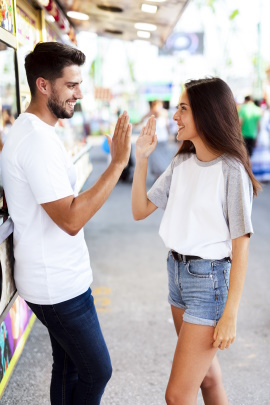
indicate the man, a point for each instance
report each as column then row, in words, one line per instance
column 52, row 267
column 249, row 115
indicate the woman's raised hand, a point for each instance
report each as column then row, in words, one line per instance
column 147, row 140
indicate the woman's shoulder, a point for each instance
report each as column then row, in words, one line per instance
column 234, row 169
column 180, row 158
column 232, row 163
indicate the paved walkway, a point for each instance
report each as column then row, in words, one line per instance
column 130, row 288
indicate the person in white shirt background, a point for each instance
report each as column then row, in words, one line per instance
column 52, row 266
column 159, row 160
column 206, row 194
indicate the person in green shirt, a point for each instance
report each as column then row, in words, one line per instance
column 249, row 115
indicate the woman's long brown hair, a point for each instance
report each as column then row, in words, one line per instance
column 217, row 122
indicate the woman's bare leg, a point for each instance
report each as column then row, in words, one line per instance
column 177, row 315
column 212, row 387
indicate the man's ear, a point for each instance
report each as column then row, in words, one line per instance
column 42, row 85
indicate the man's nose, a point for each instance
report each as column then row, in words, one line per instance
column 78, row 94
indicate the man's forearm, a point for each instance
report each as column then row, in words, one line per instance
column 84, row 207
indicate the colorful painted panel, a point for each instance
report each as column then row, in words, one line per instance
column 14, row 331
column 7, row 15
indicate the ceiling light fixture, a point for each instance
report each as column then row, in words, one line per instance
column 145, row 27
column 148, row 8
column 143, row 34
column 78, row 16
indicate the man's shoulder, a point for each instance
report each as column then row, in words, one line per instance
column 28, row 136
column 22, row 127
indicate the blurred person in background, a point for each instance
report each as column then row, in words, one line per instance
column 52, row 266
column 249, row 115
column 260, row 159
column 8, row 120
column 206, row 194
column 160, row 159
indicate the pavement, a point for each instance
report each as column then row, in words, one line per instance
column 128, row 259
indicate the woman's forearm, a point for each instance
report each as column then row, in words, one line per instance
column 145, row 145
column 237, row 275
column 141, row 206
column 139, row 193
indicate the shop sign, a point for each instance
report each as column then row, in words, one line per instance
column 157, row 91
column 190, row 42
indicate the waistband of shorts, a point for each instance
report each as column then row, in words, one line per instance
column 187, row 258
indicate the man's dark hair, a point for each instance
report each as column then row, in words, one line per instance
column 247, row 99
column 48, row 59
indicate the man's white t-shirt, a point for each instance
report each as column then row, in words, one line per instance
column 206, row 205
column 50, row 265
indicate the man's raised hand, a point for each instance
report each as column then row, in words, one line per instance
column 120, row 143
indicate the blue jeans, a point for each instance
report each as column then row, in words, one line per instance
column 81, row 361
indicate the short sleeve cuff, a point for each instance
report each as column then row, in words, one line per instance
column 239, row 233
column 156, row 199
column 54, row 197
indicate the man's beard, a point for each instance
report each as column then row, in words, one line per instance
column 56, row 108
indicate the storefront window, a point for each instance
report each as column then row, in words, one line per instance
column 8, row 101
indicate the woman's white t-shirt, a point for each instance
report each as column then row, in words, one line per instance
column 50, row 265
column 206, row 204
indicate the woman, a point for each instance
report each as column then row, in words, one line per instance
column 206, row 194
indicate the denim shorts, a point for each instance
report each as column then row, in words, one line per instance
column 199, row 287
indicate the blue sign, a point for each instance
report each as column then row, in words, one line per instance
column 183, row 41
